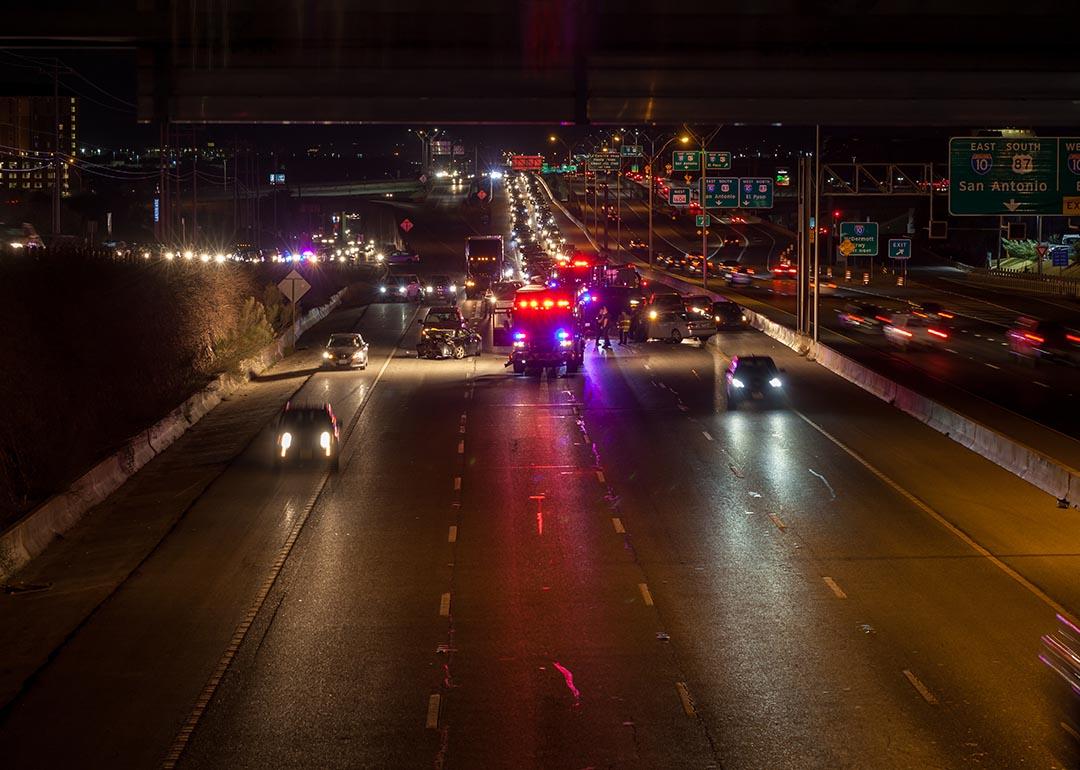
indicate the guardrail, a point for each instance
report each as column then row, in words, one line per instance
column 1061, row 286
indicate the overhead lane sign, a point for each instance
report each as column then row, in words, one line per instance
column 999, row 176
column 721, row 192
column 755, row 192
column 605, row 161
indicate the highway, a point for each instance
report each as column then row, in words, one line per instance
column 602, row 570
column 973, row 370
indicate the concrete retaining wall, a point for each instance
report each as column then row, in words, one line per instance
column 31, row 534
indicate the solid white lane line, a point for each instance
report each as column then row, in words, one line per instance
column 645, row 595
column 617, row 523
column 600, row 477
column 948, row 525
column 950, row 350
column 432, row 722
column 834, row 588
column 461, row 447
column 992, row 366
column 707, row 435
column 444, row 605
column 452, row 537
column 776, row 520
column 457, row 483
column 922, row 689
column 684, row 697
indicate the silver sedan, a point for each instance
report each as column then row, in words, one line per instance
column 345, row 350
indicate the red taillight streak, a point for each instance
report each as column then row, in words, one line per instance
column 1072, row 338
column 938, row 333
column 1033, row 337
column 883, row 319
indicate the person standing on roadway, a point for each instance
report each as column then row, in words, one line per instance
column 624, row 327
column 603, row 321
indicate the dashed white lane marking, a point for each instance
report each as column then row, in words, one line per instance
column 452, row 537
column 948, row 525
column 444, row 605
column 707, row 435
column 992, row 366
column 432, row 722
column 461, row 447
column 687, row 701
column 694, row 372
column 457, row 483
column 835, row 588
column 647, row 366
column 954, row 352
column 645, row 595
column 1041, row 384
column 600, row 477
column 922, row 689
column 776, row 520
column 617, row 523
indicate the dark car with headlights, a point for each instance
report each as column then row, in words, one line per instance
column 729, row 315
column 753, row 378
column 307, row 434
column 441, row 289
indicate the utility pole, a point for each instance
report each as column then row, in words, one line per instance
column 194, row 188
column 817, row 241
column 57, row 162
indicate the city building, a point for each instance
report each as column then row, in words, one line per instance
column 30, row 127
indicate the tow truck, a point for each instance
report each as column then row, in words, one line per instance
column 545, row 330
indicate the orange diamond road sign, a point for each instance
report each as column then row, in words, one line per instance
column 846, row 247
column 481, row 194
column 406, row 225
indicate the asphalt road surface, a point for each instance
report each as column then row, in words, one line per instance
column 604, row 570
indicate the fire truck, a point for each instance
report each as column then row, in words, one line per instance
column 546, row 330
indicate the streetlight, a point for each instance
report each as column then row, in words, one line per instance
column 650, row 173
column 703, row 140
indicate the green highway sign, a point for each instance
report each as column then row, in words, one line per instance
column 605, row 161
column 721, row 192
column 861, row 239
column 631, row 150
column 999, row 176
column 755, row 192
column 564, row 168
column 899, row 248
column 703, row 220
column 679, row 196
column 717, row 161
column 686, row 160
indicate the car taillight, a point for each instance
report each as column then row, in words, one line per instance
column 1073, row 338
column 938, row 333
column 1033, row 338
column 883, row 319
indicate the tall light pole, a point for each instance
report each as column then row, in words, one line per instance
column 425, row 138
column 650, row 174
column 703, row 139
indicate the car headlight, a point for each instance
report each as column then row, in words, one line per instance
column 775, row 382
column 428, row 289
column 401, row 290
column 324, row 441
column 736, row 382
column 286, row 442
column 653, row 315
column 453, row 288
column 326, row 354
column 382, row 290
column 16, row 245
column 519, row 343
column 565, row 343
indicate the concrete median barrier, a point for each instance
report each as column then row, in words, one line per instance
column 31, row 534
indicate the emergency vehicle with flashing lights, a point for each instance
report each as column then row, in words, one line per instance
column 545, row 330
